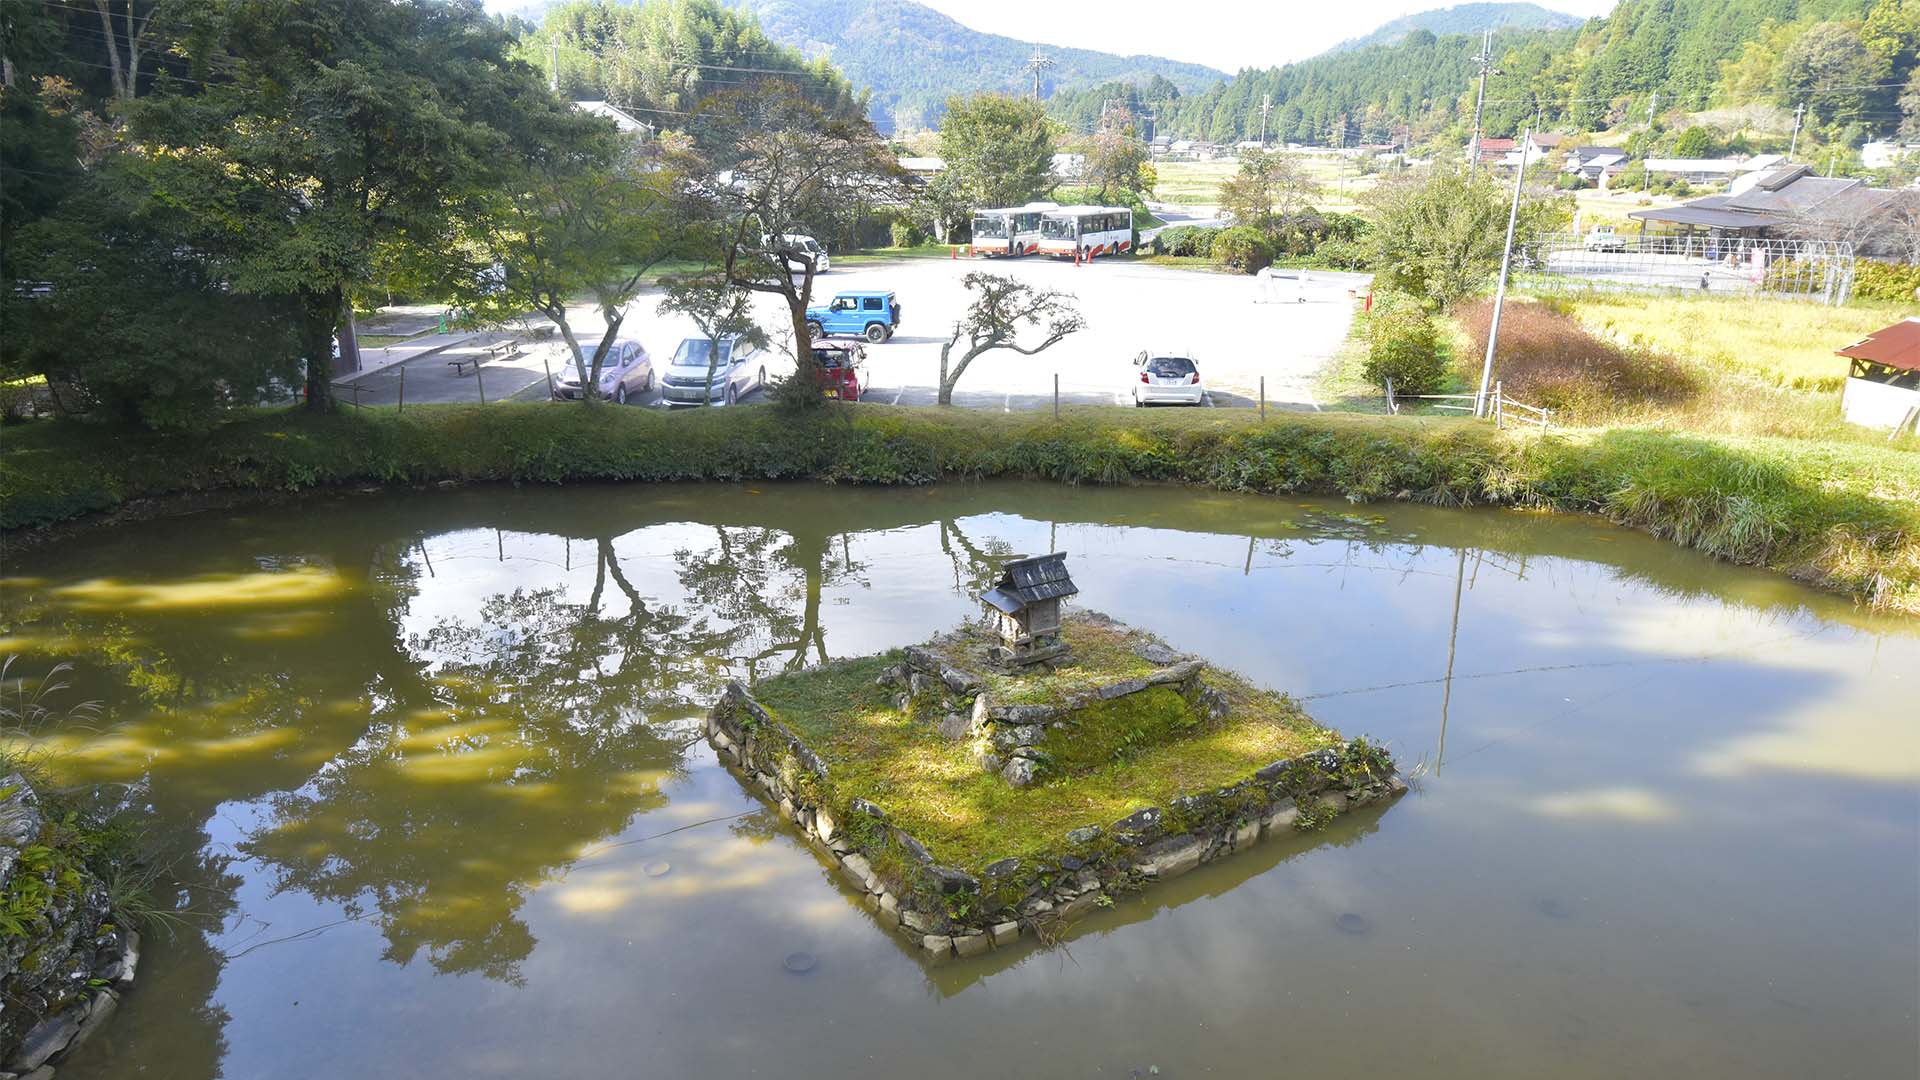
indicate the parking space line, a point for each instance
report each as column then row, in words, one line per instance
column 898, row 393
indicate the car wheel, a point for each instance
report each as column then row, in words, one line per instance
column 620, row 394
column 876, row 333
column 815, row 331
column 733, row 395
column 647, row 384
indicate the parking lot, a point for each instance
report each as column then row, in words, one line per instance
column 1240, row 329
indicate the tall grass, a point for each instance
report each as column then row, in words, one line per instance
column 1841, row 515
column 1546, row 358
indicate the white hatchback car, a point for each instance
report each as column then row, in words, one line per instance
column 1169, row 378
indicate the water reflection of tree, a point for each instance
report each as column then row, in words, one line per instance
column 756, row 577
column 537, row 736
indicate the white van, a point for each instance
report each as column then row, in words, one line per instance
column 802, row 242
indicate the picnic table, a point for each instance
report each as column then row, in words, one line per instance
column 505, row 349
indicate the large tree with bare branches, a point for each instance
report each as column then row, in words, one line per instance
column 1002, row 308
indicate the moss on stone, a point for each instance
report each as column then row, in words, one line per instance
column 1148, row 753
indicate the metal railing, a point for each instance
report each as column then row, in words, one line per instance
column 1819, row 270
column 1497, row 406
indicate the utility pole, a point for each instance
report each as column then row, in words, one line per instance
column 1038, row 63
column 1500, row 293
column 1266, row 106
column 553, row 68
column 1484, row 61
column 1798, row 111
column 1646, row 174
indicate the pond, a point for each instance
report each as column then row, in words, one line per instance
column 436, row 761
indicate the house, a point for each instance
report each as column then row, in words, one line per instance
column 1493, row 151
column 622, row 119
column 1592, row 163
column 1712, row 170
column 1789, row 202
column 1884, row 153
column 1025, row 607
column 1535, row 147
column 1883, row 381
column 923, row 167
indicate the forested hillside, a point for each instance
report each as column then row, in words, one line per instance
column 1464, row 19
column 913, row 57
column 1848, row 61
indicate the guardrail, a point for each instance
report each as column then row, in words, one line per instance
column 1498, row 403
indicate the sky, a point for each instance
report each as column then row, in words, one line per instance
column 1225, row 34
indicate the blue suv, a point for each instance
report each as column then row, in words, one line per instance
column 871, row 315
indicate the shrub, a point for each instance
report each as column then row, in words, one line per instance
column 1874, row 280
column 1546, row 358
column 1242, row 250
column 1343, row 255
column 1403, row 345
column 905, row 233
column 1187, row 240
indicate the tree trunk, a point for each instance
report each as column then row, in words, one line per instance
column 946, row 386
column 320, row 317
column 590, row 389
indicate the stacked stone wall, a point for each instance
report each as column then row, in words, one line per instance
column 947, row 911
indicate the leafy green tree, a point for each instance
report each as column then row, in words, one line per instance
column 719, row 309
column 788, row 166
column 1440, row 236
column 586, row 210
column 1268, row 186
column 1118, row 163
column 1833, row 71
column 998, row 149
column 1696, row 142
column 1001, row 308
column 364, row 125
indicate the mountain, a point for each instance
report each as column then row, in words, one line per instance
column 913, row 57
column 1750, row 61
column 1464, row 19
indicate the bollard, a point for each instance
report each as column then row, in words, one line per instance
column 1368, row 306
column 547, row 362
column 1263, row 397
column 969, row 251
column 476, row 382
column 953, row 253
column 403, row 389
column 1056, row 395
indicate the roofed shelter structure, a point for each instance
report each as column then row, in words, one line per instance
column 1025, row 603
column 1883, row 382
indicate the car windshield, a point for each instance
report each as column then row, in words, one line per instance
column 1170, row 366
column 1057, row 228
column 990, row 227
column 693, row 352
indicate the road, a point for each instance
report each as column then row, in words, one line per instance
column 1239, row 329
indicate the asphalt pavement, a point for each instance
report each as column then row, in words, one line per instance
column 1240, row 330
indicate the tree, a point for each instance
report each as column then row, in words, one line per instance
column 998, row 149
column 1267, row 187
column 788, row 165
column 316, row 148
column 1833, row 71
column 1695, row 142
column 124, row 43
column 586, row 209
column 1117, row 159
column 1002, row 307
column 1440, row 236
column 721, row 310
column 1910, row 108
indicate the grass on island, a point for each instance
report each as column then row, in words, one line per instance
column 969, row 818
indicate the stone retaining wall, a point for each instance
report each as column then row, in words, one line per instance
column 62, row 977
column 947, row 911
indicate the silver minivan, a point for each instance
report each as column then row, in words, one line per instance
column 740, row 369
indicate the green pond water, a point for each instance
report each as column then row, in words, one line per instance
column 435, row 759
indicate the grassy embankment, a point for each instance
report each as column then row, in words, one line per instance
column 1845, row 516
column 1137, row 751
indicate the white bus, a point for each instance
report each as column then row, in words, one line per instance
column 1014, row 230
column 1086, row 231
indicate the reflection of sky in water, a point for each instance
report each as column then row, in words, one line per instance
column 1674, row 828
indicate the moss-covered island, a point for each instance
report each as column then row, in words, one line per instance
column 973, row 805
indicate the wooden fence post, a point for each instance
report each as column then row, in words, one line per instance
column 403, row 388
column 476, row 380
column 1263, row 399
column 1056, row 395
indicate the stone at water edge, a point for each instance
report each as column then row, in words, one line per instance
column 48, row 1037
